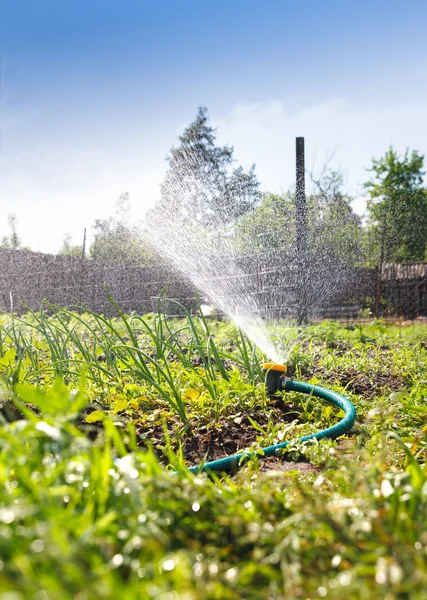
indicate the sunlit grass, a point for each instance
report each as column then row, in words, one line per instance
column 100, row 518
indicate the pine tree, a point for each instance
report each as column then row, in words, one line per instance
column 201, row 183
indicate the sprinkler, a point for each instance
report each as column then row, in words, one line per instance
column 274, row 377
column 276, row 381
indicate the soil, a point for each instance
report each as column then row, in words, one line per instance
column 362, row 384
column 230, row 435
column 208, row 441
column 285, row 464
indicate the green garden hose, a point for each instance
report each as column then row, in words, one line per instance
column 229, row 463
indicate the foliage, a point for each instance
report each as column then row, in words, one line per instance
column 12, row 241
column 86, row 512
column 70, row 249
column 333, row 227
column 200, row 182
column 398, row 207
column 118, row 240
column 127, row 360
column 269, row 227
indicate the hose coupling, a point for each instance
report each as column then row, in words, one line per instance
column 275, row 377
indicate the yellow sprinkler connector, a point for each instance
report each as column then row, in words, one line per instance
column 274, row 367
column 274, row 377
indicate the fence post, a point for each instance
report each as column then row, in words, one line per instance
column 84, row 244
column 301, row 231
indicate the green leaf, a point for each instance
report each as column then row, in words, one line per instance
column 191, row 394
column 8, row 358
column 120, row 404
column 56, row 401
column 96, row 415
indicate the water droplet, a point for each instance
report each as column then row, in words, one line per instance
column 117, row 560
column 336, row 560
column 344, row 579
column 37, row 546
column 7, row 516
column 231, row 573
column 386, row 488
column 123, row 534
column 48, row 430
column 169, row 564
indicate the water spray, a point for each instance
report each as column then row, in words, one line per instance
column 210, row 261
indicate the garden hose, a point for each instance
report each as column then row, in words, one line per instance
column 276, row 381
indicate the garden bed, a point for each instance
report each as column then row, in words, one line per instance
column 100, row 414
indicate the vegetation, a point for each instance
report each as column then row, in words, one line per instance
column 201, row 183
column 398, row 207
column 203, row 186
column 92, row 407
column 70, row 249
column 334, row 229
column 118, row 240
column 11, row 241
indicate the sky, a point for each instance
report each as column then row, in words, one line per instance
column 94, row 94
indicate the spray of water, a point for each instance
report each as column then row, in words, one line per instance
column 266, row 274
column 203, row 248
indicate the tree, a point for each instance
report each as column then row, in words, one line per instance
column 118, row 240
column 268, row 228
column 12, row 241
column 70, row 249
column 333, row 227
column 397, row 209
column 200, row 182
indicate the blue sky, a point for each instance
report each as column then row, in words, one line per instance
column 93, row 94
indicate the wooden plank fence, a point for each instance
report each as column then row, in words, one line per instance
column 27, row 278
column 403, row 288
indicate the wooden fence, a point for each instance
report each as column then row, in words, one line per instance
column 403, row 289
column 28, row 279
column 332, row 291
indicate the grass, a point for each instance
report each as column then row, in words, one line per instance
column 100, row 417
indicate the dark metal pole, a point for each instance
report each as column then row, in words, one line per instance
column 84, row 245
column 300, row 204
column 379, row 269
column 301, row 231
